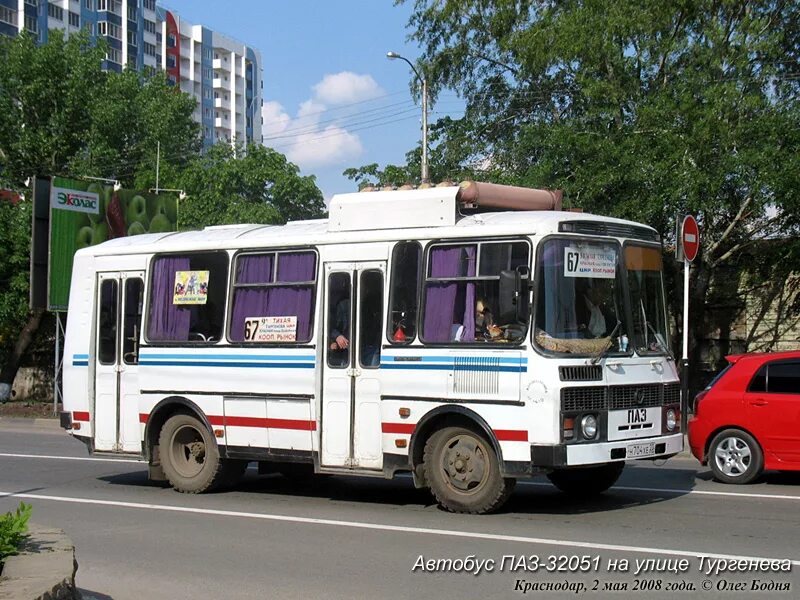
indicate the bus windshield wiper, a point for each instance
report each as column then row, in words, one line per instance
column 596, row 358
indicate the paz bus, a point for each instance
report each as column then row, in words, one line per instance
column 470, row 335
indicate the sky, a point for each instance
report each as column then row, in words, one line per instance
column 332, row 99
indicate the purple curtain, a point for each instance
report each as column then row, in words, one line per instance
column 440, row 298
column 167, row 322
column 276, row 301
column 254, row 268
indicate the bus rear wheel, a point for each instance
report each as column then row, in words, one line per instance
column 190, row 456
column 589, row 481
column 463, row 472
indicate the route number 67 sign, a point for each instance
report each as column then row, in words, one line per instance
column 270, row 329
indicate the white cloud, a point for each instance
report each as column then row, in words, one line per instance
column 346, row 87
column 315, row 137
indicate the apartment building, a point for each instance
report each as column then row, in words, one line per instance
column 223, row 74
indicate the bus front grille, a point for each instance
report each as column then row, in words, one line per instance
column 618, row 397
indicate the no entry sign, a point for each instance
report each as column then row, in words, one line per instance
column 690, row 237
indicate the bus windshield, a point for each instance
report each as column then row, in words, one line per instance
column 579, row 305
column 644, row 268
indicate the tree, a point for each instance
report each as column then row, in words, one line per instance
column 643, row 110
column 61, row 114
column 227, row 185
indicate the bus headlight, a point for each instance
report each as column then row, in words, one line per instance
column 589, row 427
column 672, row 419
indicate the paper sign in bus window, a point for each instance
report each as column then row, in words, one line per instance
column 597, row 263
column 270, row 329
column 191, row 287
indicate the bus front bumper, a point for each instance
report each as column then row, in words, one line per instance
column 567, row 455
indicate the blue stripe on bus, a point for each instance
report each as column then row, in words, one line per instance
column 80, row 363
column 451, row 367
column 508, row 360
column 200, row 363
column 80, row 356
column 198, row 356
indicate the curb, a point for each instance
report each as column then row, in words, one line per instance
column 43, row 570
column 52, row 423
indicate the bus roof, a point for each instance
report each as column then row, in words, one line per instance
column 407, row 214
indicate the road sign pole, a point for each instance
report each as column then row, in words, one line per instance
column 685, row 358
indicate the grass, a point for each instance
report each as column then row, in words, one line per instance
column 13, row 526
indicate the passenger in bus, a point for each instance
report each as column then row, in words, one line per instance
column 485, row 327
column 592, row 314
column 339, row 343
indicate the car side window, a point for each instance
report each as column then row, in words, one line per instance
column 784, row 378
column 759, row 381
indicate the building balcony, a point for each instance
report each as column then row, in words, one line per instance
column 217, row 64
column 218, row 83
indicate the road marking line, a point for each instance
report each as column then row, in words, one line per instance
column 675, row 491
column 89, row 458
column 394, row 528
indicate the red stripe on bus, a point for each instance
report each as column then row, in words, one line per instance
column 264, row 423
column 143, row 417
column 511, row 435
column 80, row 415
column 398, row 427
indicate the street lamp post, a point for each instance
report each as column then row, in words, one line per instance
column 424, row 82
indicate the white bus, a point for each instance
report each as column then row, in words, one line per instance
column 447, row 332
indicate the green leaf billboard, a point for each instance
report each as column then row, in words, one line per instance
column 86, row 213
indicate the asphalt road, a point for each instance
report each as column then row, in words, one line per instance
column 350, row 537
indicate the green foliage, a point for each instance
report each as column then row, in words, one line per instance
column 15, row 224
column 12, row 529
column 257, row 186
column 637, row 109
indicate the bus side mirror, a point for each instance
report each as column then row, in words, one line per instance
column 514, row 296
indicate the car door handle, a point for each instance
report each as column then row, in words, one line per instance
column 759, row 402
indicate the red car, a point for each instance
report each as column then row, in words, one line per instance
column 748, row 418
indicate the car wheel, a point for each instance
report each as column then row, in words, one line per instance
column 735, row 457
column 464, row 473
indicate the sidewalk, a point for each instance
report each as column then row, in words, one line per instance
column 37, row 423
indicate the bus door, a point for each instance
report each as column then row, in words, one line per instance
column 117, row 333
column 351, row 388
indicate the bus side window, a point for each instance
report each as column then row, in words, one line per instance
column 107, row 323
column 406, row 260
column 187, row 297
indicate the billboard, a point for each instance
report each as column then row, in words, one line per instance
column 84, row 213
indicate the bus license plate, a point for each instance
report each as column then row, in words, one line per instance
column 640, row 450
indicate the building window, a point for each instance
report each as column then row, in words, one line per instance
column 207, row 132
column 114, row 55
column 30, row 24
column 207, row 94
column 74, row 19
column 149, row 49
column 132, row 38
column 150, row 26
column 112, row 6
column 132, row 62
column 207, row 53
column 150, row 5
column 172, row 80
column 32, row 2
column 131, row 12
column 171, row 62
column 207, row 74
column 172, row 41
column 89, row 28
column 207, row 113
column 8, row 16
column 55, row 12
column 88, row 4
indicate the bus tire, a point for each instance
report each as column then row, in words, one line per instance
column 463, row 472
column 590, row 481
column 190, row 456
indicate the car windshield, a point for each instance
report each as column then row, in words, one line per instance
column 644, row 268
column 579, row 302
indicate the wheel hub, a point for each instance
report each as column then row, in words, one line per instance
column 465, row 464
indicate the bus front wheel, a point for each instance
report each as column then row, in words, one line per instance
column 464, row 473
column 190, row 456
column 588, row 481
